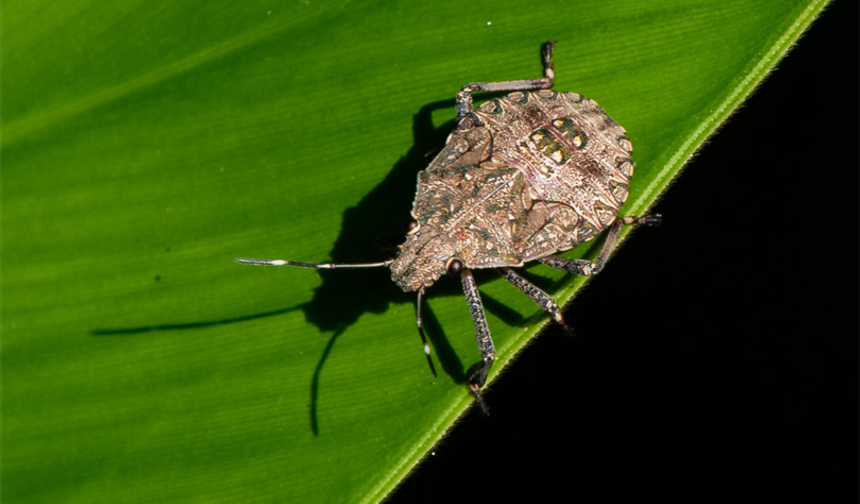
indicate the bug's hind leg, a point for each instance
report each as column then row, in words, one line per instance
column 464, row 97
column 477, row 374
column 537, row 295
column 588, row 268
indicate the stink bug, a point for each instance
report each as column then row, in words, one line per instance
column 520, row 179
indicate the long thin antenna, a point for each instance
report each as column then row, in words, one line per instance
column 421, row 331
column 282, row 262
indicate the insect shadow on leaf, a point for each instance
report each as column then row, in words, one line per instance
column 380, row 216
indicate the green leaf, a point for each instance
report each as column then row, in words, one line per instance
column 145, row 145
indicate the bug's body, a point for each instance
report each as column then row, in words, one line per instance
column 521, row 178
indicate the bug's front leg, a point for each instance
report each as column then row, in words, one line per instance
column 464, row 97
column 478, row 373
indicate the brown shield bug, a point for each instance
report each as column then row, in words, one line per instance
column 520, row 179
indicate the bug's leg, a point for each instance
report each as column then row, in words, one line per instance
column 421, row 331
column 477, row 374
column 537, row 295
column 588, row 268
column 464, row 97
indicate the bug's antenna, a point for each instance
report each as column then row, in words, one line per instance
column 421, row 331
column 282, row 262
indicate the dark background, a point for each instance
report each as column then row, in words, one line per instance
column 698, row 372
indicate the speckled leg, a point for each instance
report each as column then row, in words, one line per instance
column 588, row 268
column 464, row 97
column 537, row 295
column 477, row 374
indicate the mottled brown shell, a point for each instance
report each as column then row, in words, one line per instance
column 522, row 177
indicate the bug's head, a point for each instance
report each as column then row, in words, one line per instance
column 422, row 259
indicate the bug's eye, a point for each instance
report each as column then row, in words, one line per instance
column 454, row 267
column 412, row 226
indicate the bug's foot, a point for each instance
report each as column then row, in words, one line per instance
column 476, row 391
column 477, row 377
column 568, row 331
column 644, row 220
column 560, row 320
